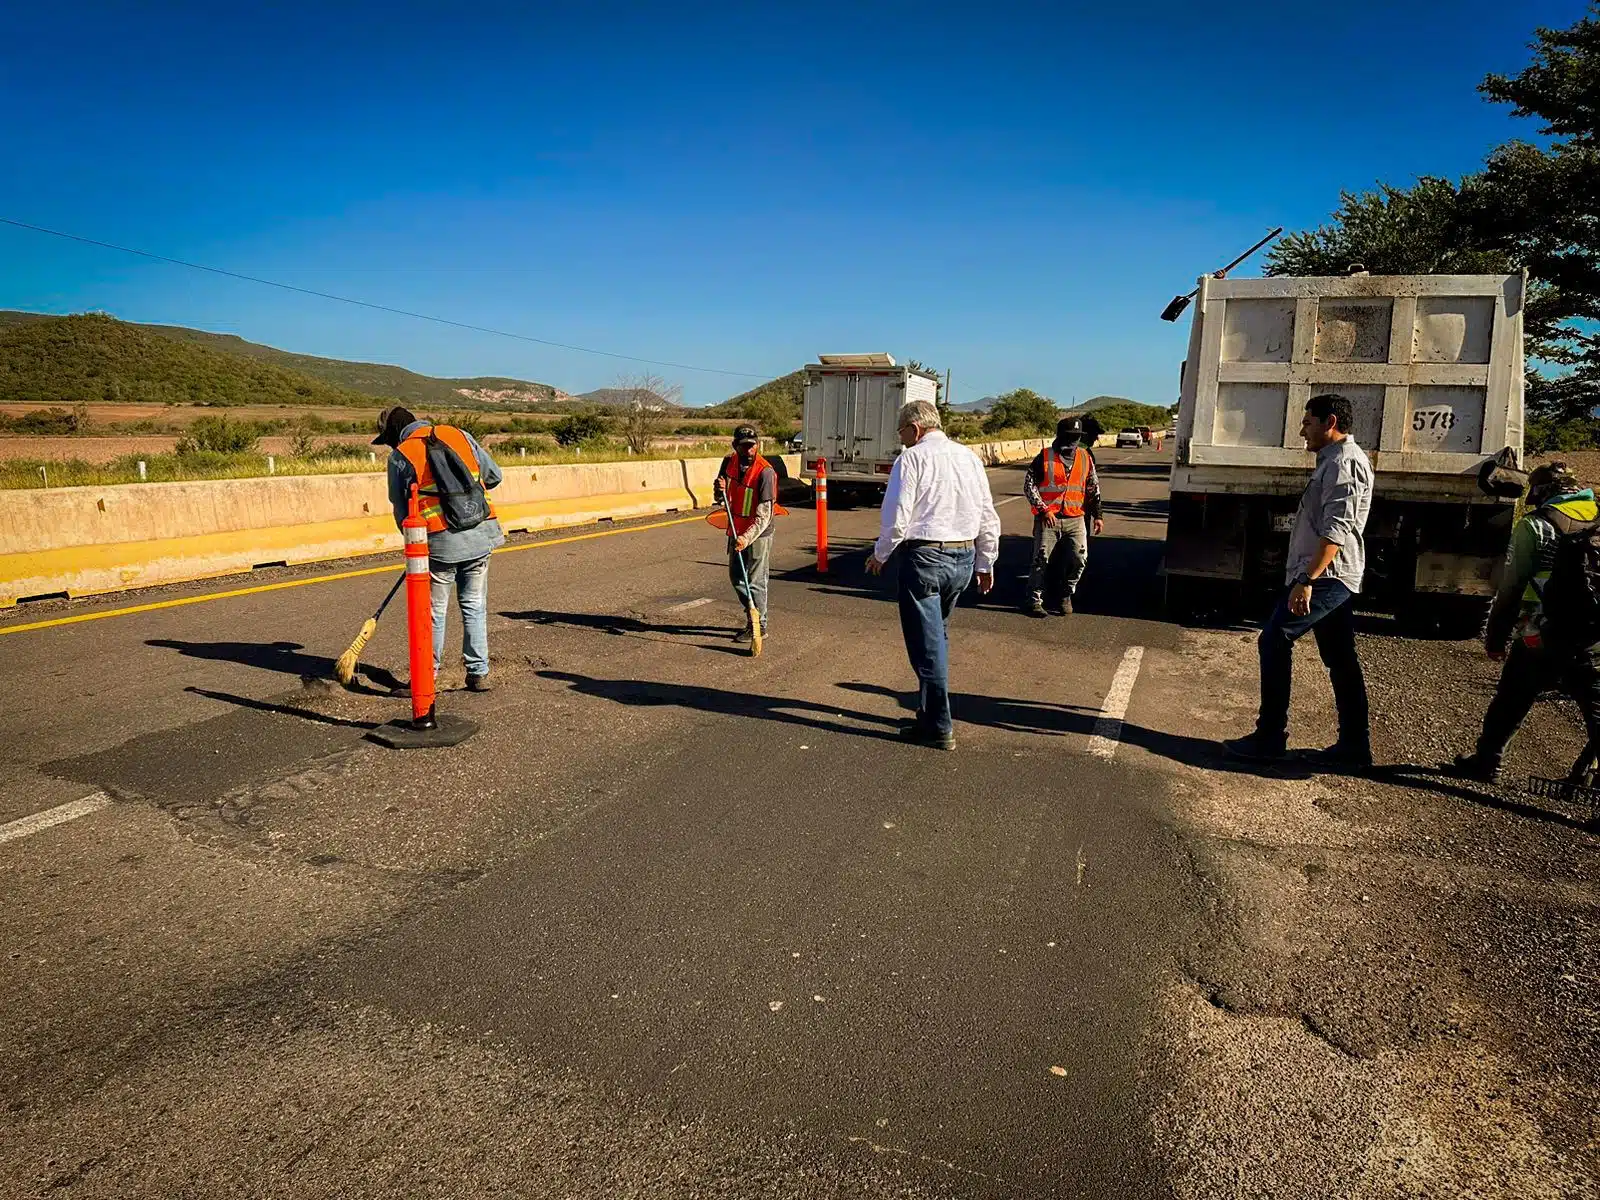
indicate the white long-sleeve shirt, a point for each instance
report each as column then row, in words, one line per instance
column 938, row 492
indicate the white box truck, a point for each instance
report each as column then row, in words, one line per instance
column 1433, row 366
column 848, row 419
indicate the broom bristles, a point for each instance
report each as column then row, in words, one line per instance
column 345, row 669
column 755, row 631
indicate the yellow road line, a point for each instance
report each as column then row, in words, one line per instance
column 293, row 583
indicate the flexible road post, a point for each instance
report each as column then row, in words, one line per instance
column 426, row 728
column 822, row 516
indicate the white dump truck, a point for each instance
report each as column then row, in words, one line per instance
column 1433, row 366
column 848, row 421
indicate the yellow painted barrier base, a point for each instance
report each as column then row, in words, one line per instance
column 116, row 566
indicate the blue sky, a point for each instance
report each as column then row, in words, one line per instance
column 1013, row 191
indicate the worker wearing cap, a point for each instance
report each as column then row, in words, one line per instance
column 458, row 559
column 751, row 485
column 1063, row 489
column 1517, row 632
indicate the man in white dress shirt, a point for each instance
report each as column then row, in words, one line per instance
column 939, row 513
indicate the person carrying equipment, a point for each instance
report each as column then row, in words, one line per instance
column 1545, row 620
column 452, row 473
column 1063, row 488
column 750, row 485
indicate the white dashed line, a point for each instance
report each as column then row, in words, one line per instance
column 688, row 604
column 1108, row 725
column 60, row 814
column 1007, row 500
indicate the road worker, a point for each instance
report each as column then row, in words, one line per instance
column 1536, row 657
column 1063, row 489
column 452, row 473
column 750, row 483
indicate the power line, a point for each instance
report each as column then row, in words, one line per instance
column 383, row 308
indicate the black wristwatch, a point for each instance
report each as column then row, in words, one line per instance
column 1302, row 580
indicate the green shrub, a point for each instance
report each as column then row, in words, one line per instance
column 580, row 429
column 219, row 435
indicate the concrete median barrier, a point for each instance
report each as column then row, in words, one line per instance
column 82, row 541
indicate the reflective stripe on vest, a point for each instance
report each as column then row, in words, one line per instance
column 1064, row 490
column 743, row 490
column 415, row 450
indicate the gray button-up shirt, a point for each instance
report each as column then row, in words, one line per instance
column 1334, row 509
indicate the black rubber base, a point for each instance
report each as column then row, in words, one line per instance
column 402, row 735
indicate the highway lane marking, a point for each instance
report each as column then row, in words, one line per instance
column 1007, row 500
column 294, row 583
column 59, row 815
column 1108, row 725
column 687, row 604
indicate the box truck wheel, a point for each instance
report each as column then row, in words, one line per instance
column 1435, row 615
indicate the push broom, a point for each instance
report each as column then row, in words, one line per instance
column 345, row 669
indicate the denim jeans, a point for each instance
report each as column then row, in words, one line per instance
column 1060, row 554
column 757, row 563
column 471, row 581
column 931, row 580
column 1332, row 620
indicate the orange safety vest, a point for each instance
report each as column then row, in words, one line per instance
column 415, row 449
column 1063, row 490
column 744, row 491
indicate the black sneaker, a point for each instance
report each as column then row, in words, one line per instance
column 1480, row 769
column 915, row 733
column 1254, row 748
column 744, row 636
column 1339, row 757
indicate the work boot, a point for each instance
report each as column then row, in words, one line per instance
column 479, row 683
column 1035, row 607
column 1253, row 747
column 744, row 637
column 1062, row 609
column 1341, row 757
column 919, row 735
column 1483, row 770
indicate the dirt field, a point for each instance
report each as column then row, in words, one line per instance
column 108, row 449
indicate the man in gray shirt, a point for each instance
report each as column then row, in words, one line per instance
column 1326, row 561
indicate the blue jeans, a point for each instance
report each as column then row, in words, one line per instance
column 471, row 582
column 931, row 580
column 1332, row 621
column 758, row 565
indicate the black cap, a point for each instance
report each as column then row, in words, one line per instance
column 1068, row 428
column 746, row 435
column 391, row 421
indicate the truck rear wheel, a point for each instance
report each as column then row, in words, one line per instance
column 1449, row 618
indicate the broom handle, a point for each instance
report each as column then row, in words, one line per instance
column 390, row 596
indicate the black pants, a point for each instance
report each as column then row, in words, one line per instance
column 1332, row 621
column 1527, row 673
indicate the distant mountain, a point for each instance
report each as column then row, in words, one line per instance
column 363, row 381
column 1095, row 403
column 788, row 389
column 975, row 406
column 92, row 358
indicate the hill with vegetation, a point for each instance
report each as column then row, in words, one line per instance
column 365, row 381
column 93, row 358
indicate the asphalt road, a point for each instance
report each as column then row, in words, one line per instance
column 680, row 922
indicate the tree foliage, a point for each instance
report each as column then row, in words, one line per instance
column 1533, row 207
column 647, row 402
column 1023, row 409
column 578, row 429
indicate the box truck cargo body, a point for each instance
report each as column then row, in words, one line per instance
column 1433, row 367
column 849, row 420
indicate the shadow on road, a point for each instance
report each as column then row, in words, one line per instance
column 282, row 710
column 638, row 693
column 1444, row 782
column 1060, row 720
column 628, row 626
column 284, row 657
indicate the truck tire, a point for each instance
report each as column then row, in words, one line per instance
column 1192, row 600
column 1447, row 618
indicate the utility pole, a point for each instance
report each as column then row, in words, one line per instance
column 948, row 402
